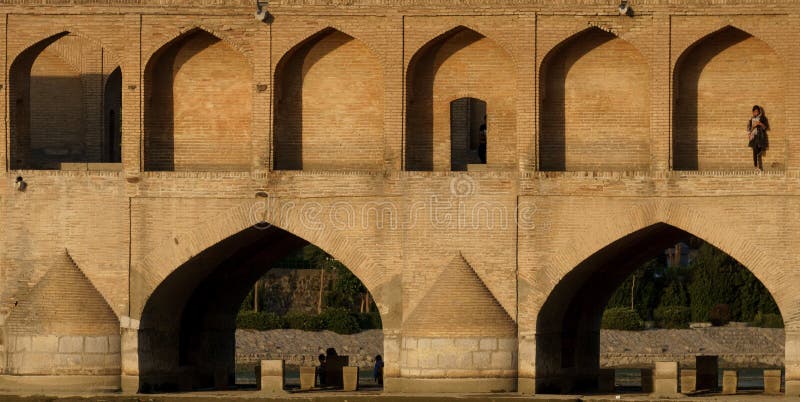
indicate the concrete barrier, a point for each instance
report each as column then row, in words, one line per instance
column 350, row 378
column 730, row 382
column 772, row 382
column 665, row 379
column 688, row 381
column 270, row 376
column 308, row 377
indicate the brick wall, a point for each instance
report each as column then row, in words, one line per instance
column 329, row 106
column 595, row 105
column 199, row 107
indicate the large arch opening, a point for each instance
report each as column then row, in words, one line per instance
column 329, row 106
column 187, row 332
column 57, row 93
column 594, row 105
column 460, row 63
column 716, row 83
column 568, row 331
column 198, row 106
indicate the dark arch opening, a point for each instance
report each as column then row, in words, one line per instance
column 468, row 131
column 568, row 324
column 112, row 102
column 187, row 332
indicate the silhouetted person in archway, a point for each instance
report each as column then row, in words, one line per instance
column 321, row 370
column 377, row 371
column 757, row 128
column 482, row 141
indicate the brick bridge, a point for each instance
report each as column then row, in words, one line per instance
column 172, row 150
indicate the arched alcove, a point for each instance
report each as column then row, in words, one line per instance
column 568, row 323
column 594, row 105
column 717, row 81
column 459, row 62
column 56, row 92
column 329, row 106
column 198, row 106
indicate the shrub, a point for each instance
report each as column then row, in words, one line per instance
column 304, row 321
column 767, row 321
column 673, row 316
column 622, row 318
column 340, row 320
column 370, row 320
column 261, row 321
column 719, row 315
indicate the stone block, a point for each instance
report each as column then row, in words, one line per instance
column 488, row 343
column 45, row 344
column 308, row 377
column 272, row 380
column 481, row 360
column 665, row 379
column 424, row 343
column 501, row 360
column 467, row 344
column 409, row 343
column 509, row 344
column 730, row 382
column 96, row 344
column 22, row 344
column 442, row 343
column 606, row 380
column 772, row 382
column 350, row 378
column 688, row 381
column 70, row 344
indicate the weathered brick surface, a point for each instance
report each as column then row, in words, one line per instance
column 341, row 115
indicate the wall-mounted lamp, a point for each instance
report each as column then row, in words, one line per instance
column 261, row 11
column 20, row 184
column 625, row 8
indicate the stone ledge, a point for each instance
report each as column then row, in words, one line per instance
column 460, row 385
column 61, row 383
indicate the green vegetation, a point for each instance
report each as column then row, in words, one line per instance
column 712, row 288
column 343, row 306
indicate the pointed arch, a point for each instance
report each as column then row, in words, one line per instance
column 198, row 105
column 457, row 62
column 584, row 278
column 329, row 105
column 203, row 276
column 594, row 105
column 716, row 82
column 55, row 87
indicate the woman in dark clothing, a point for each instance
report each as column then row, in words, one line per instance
column 757, row 128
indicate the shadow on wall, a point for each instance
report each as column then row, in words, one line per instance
column 57, row 112
column 717, row 82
